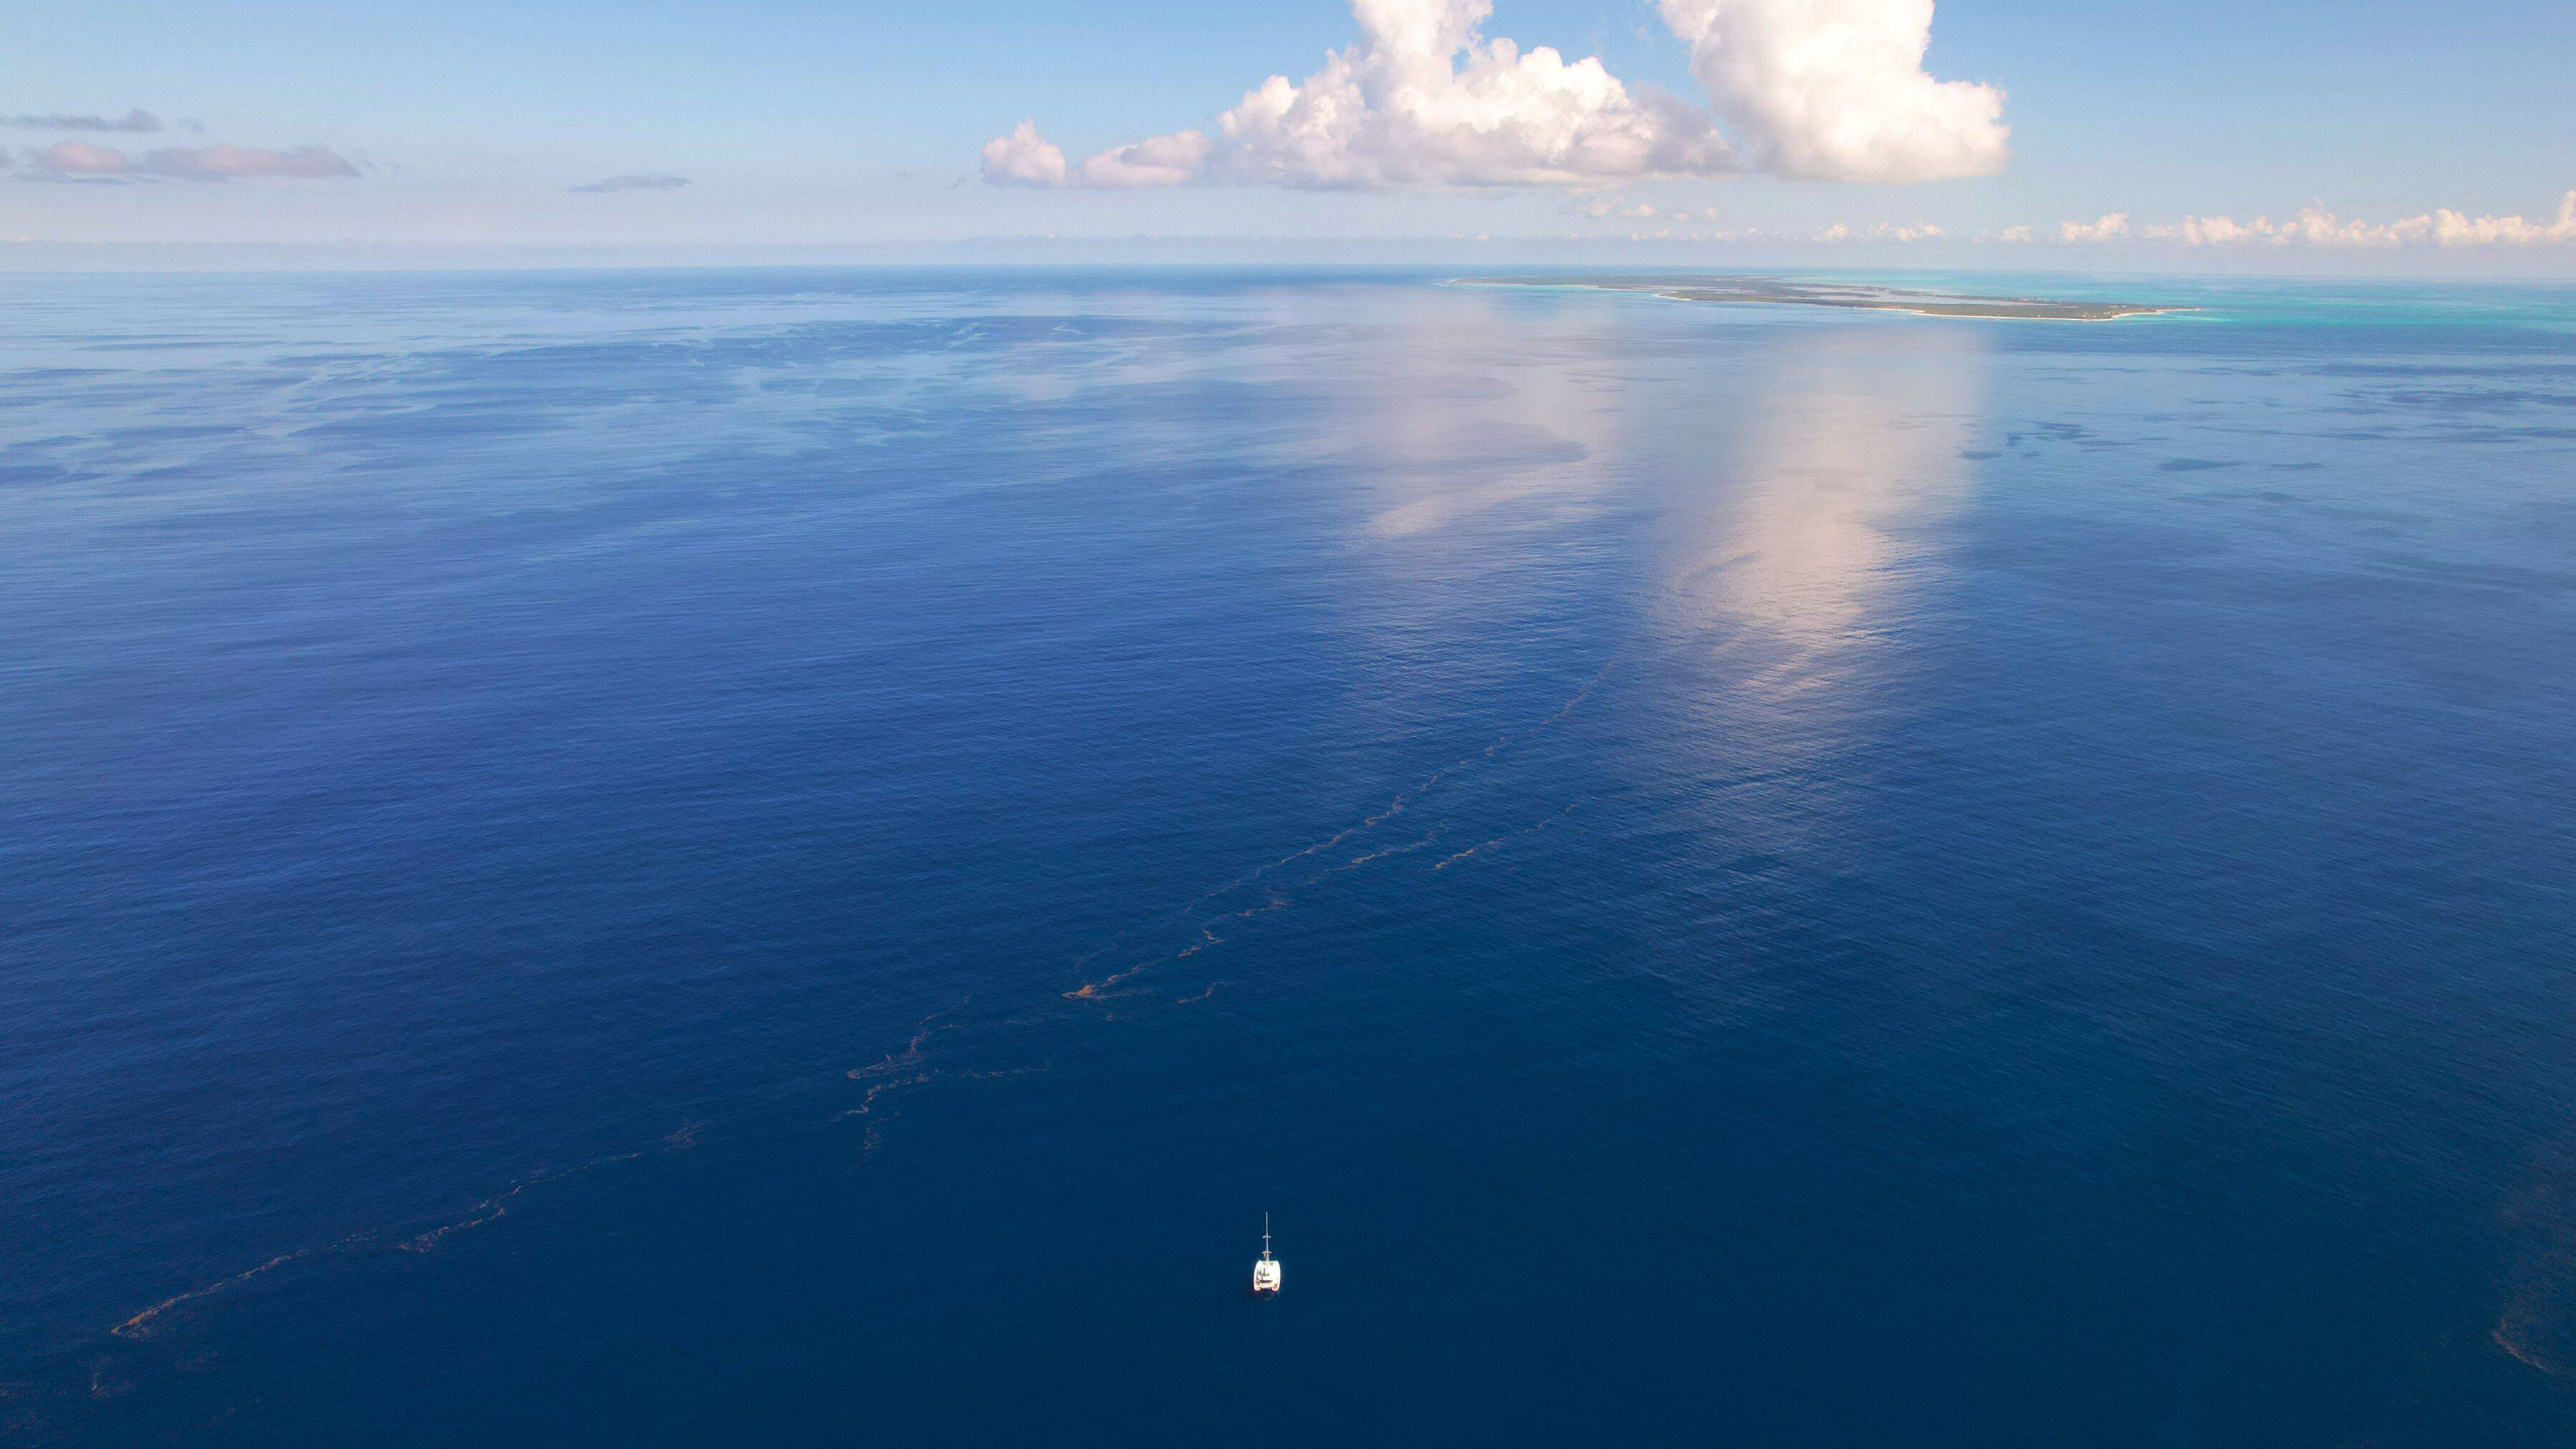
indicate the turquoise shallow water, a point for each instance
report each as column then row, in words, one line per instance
column 796, row 857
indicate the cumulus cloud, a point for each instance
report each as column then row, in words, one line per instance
column 1819, row 89
column 1023, row 158
column 1154, row 161
column 1422, row 98
column 1835, row 90
column 2316, row 226
column 2451, row 229
column 2196, row 231
column 80, row 159
column 137, row 120
column 2111, row 226
column 637, row 181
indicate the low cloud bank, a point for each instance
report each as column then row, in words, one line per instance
column 2312, row 227
column 2316, row 226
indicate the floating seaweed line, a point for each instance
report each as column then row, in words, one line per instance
column 903, row 1069
column 1507, row 835
column 1096, row 990
column 141, row 1325
column 144, row 1323
column 1395, row 806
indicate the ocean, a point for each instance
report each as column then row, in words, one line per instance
column 797, row 857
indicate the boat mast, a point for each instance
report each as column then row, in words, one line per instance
column 1265, row 1236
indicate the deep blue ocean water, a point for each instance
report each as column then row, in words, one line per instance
column 783, row 857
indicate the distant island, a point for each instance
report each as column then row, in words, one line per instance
column 1783, row 291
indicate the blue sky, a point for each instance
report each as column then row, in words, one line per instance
column 821, row 126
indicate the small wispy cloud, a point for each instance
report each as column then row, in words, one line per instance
column 2110, row 226
column 1620, row 208
column 80, row 160
column 637, row 181
column 228, row 163
column 1911, row 231
column 137, row 121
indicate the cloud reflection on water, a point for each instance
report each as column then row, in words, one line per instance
column 1796, row 542
column 1797, row 536
column 1492, row 406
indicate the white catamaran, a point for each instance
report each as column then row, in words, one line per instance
column 1265, row 1274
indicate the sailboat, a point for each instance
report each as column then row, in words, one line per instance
column 1265, row 1274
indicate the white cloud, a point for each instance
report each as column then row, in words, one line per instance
column 1422, row 98
column 1155, row 161
column 1835, row 90
column 2451, row 229
column 2316, row 226
column 1026, row 158
column 2194, row 231
column 1911, row 231
column 1023, row 158
column 2013, row 234
column 2110, row 227
column 1818, row 89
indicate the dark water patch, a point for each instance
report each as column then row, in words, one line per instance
column 707, row 857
